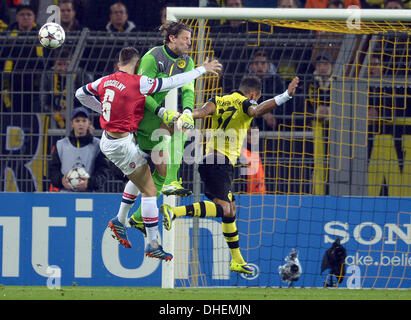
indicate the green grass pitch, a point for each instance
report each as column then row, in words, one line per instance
column 151, row 293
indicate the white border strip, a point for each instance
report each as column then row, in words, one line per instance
column 175, row 13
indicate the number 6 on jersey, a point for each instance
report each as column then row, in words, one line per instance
column 106, row 104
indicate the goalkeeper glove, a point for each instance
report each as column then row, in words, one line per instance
column 186, row 121
column 168, row 116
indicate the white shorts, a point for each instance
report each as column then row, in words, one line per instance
column 123, row 152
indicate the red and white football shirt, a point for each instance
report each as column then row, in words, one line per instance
column 122, row 99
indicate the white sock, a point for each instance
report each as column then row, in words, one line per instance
column 130, row 195
column 149, row 213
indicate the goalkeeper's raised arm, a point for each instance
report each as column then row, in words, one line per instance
column 169, row 117
column 181, row 79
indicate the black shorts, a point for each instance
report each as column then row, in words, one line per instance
column 217, row 178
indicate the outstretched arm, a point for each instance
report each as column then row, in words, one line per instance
column 207, row 109
column 184, row 78
column 169, row 117
column 270, row 104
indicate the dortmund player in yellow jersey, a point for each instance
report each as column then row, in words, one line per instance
column 231, row 117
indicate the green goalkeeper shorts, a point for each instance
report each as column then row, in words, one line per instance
column 147, row 126
column 149, row 134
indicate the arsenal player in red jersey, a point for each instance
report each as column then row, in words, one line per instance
column 122, row 95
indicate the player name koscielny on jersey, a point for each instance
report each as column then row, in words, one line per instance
column 120, row 97
column 115, row 92
column 114, row 83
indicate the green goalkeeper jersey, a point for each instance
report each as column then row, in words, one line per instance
column 161, row 62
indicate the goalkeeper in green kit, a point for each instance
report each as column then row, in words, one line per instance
column 160, row 62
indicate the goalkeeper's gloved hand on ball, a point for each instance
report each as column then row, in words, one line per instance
column 186, row 121
column 169, row 117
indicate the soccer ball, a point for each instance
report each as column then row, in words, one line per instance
column 74, row 175
column 51, row 35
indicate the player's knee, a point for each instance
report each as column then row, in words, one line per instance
column 162, row 169
column 148, row 191
column 151, row 192
column 229, row 212
column 233, row 209
column 226, row 209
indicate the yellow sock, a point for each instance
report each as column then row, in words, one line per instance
column 199, row 209
column 179, row 211
column 230, row 233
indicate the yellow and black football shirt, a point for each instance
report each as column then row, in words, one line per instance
column 229, row 124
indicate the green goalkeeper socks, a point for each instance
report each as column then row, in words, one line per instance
column 176, row 152
column 158, row 182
